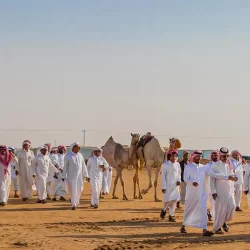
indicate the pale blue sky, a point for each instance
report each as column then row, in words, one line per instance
column 169, row 67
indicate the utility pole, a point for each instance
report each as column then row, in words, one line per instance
column 84, row 134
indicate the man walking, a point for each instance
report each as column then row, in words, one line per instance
column 42, row 165
column 171, row 180
column 75, row 170
column 210, row 212
column 237, row 167
column 96, row 166
column 223, row 192
column 24, row 170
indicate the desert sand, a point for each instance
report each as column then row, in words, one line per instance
column 117, row 224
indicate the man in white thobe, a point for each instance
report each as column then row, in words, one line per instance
column 59, row 187
column 244, row 165
column 52, row 175
column 13, row 173
column 210, row 211
column 75, row 171
column 42, row 165
column 96, row 166
column 25, row 171
column 5, row 173
column 171, row 180
column 223, row 192
column 246, row 186
column 107, row 180
column 237, row 164
column 195, row 210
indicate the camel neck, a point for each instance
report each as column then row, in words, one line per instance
column 131, row 151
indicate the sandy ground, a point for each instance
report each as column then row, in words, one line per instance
column 116, row 225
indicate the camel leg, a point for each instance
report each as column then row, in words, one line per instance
column 149, row 170
column 156, row 182
column 123, row 188
column 138, row 184
column 118, row 173
column 134, row 183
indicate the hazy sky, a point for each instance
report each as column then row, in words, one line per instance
column 177, row 68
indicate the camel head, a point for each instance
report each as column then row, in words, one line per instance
column 174, row 143
column 135, row 139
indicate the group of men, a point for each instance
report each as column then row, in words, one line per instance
column 182, row 183
column 222, row 176
column 53, row 165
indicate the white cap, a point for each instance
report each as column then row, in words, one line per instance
column 75, row 144
column 98, row 149
column 44, row 147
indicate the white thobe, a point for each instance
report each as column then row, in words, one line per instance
column 59, row 187
column 13, row 175
column 107, row 180
column 95, row 174
column 210, row 197
column 42, row 166
column 50, row 179
column 74, row 170
column 224, row 205
column 25, row 170
column 195, row 210
column 171, row 174
column 5, row 182
column 238, row 168
column 244, row 167
column 246, row 186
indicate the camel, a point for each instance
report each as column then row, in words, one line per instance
column 119, row 158
column 152, row 155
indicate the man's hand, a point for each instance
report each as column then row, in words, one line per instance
column 195, row 184
column 178, row 183
column 232, row 178
column 215, row 196
column 163, row 191
column 17, row 173
column 246, row 192
column 60, row 170
column 12, row 154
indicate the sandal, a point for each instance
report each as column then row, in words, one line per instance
column 183, row 230
column 219, row 231
column 163, row 214
column 225, row 227
column 208, row 233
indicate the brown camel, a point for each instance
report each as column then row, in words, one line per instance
column 152, row 155
column 119, row 158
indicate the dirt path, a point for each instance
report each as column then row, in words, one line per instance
column 116, row 225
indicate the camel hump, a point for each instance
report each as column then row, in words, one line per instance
column 110, row 139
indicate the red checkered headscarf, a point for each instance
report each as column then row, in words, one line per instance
column 5, row 161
